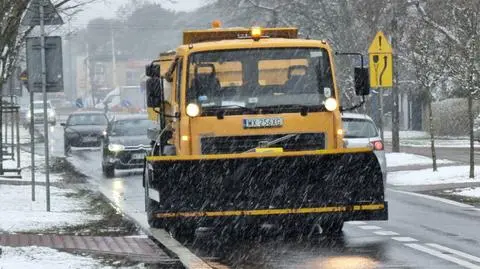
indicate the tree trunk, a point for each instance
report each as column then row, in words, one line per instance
column 432, row 135
column 470, row 121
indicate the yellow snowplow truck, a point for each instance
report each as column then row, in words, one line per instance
column 250, row 132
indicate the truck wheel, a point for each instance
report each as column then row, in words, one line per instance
column 108, row 170
column 332, row 227
column 152, row 207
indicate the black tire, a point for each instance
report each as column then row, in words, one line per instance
column 332, row 227
column 108, row 170
column 66, row 147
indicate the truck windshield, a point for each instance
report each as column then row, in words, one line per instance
column 279, row 78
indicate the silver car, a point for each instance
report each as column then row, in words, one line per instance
column 360, row 131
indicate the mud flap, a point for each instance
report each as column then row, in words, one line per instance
column 345, row 183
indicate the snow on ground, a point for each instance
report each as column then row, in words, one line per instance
column 20, row 214
column 395, row 159
column 439, row 143
column 470, row 192
column 444, row 175
column 47, row 258
column 406, row 135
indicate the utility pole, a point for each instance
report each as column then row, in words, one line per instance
column 395, row 109
column 44, row 91
column 114, row 59
column 89, row 80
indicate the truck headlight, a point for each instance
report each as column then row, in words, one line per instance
column 331, row 104
column 193, row 110
column 116, row 147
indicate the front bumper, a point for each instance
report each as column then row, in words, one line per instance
column 127, row 159
column 76, row 140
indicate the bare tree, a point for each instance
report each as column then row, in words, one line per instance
column 13, row 34
column 457, row 21
column 429, row 56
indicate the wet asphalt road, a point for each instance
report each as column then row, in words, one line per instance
column 421, row 232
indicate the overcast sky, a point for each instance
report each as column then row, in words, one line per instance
column 108, row 8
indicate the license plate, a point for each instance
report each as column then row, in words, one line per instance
column 138, row 156
column 89, row 139
column 262, row 123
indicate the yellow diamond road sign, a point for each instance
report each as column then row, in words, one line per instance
column 380, row 62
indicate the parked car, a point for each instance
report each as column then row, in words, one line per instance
column 360, row 131
column 125, row 143
column 84, row 129
column 38, row 114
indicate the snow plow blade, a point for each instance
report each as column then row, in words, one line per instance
column 346, row 183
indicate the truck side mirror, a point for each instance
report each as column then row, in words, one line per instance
column 362, row 81
column 154, row 90
column 152, row 70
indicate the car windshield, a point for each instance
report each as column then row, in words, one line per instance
column 40, row 105
column 260, row 78
column 87, row 119
column 131, row 127
column 359, row 128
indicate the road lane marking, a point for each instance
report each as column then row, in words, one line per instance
column 456, row 252
column 443, row 200
column 404, row 239
column 370, row 227
column 357, row 222
column 441, row 255
column 388, row 233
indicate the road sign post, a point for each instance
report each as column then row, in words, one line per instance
column 380, row 57
column 42, row 12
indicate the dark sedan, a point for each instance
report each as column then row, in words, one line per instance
column 126, row 143
column 84, row 129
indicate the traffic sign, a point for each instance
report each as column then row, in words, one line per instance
column 380, row 60
column 380, row 44
column 381, row 70
column 32, row 16
column 54, row 64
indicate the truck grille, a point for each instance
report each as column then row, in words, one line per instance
column 238, row 144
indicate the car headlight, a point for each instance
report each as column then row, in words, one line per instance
column 116, row 147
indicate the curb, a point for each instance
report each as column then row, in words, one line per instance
column 173, row 248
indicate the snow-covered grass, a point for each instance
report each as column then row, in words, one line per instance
column 25, row 137
column 469, row 192
column 440, row 143
column 444, row 175
column 47, row 258
column 406, row 135
column 396, row 159
column 20, row 214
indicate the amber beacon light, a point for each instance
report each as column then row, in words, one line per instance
column 256, row 33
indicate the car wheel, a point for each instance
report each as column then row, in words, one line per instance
column 108, row 170
column 66, row 147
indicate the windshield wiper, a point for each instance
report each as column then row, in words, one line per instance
column 303, row 108
column 221, row 109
